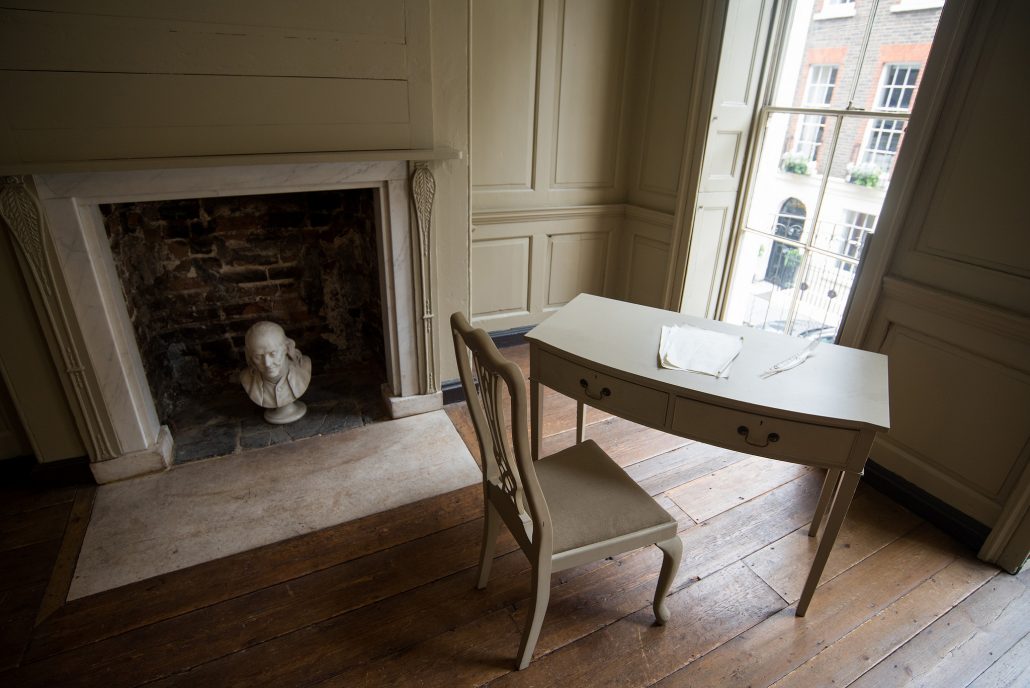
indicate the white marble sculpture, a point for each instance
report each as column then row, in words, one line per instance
column 277, row 373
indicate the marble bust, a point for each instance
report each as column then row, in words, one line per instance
column 277, row 373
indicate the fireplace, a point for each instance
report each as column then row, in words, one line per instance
column 198, row 273
column 63, row 237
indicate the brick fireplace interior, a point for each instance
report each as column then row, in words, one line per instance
column 197, row 273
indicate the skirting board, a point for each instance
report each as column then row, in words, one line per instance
column 970, row 532
column 452, row 391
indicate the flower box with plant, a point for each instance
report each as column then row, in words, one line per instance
column 797, row 163
column 864, row 174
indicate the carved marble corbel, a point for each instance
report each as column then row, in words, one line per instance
column 423, row 189
column 21, row 213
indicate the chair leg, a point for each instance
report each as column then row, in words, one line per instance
column 537, row 609
column 491, row 527
column 673, row 549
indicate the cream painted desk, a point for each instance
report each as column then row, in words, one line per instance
column 824, row 413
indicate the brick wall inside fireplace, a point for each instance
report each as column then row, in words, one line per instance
column 197, row 273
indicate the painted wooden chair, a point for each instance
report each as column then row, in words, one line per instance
column 564, row 510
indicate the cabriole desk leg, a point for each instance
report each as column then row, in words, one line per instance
column 846, row 490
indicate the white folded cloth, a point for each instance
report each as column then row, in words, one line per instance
column 684, row 347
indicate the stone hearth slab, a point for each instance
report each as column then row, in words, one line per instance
column 206, row 510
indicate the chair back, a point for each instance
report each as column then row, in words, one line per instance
column 509, row 477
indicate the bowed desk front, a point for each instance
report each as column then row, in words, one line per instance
column 824, row 413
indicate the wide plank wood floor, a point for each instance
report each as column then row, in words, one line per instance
column 389, row 600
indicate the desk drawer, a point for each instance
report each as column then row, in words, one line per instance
column 621, row 397
column 808, row 443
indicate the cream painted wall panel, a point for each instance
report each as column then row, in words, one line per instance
column 197, row 101
column 740, row 66
column 707, row 254
column 648, row 266
column 576, row 266
column 579, row 131
column 978, row 435
column 570, row 250
column 707, row 240
column 589, row 107
column 968, row 222
column 451, row 229
column 37, row 386
column 160, row 115
column 141, row 142
column 987, row 232
column 667, row 103
column 960, row 396
column 499, row 279
column 124, row 79
column 77, row 42
column 504, row 69
column 372, row 19
column 13, row 441
column 644, row 261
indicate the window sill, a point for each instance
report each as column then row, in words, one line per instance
column 915, row 5
column 837, row 12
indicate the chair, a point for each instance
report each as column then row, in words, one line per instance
column 564, row 510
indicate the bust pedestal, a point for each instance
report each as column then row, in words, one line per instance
column 286, row 414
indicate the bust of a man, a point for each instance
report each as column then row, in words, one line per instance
column 277, row 373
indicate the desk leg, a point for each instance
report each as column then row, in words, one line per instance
column 580, row 422
column 830, row 485
column 536, row 417
column 848, row 484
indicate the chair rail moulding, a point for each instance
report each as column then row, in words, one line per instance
column 57, row 226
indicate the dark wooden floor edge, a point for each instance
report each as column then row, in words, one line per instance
column 63, row 470
column 452, row 391
column 61, row 575
column 967, row 530
column 259, row 551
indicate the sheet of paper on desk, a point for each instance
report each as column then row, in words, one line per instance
column 698, row 350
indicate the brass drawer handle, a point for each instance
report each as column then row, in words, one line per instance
column 771, row 437
column 605, row 392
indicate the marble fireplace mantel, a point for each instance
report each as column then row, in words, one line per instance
column 57, row 226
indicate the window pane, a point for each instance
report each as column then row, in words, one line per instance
column 822, row 57
column 846, row 234
column 815, row 71
column 764, row 281
column 857, row 182
column 790, row 165
column 819, row 180
column 822, row 288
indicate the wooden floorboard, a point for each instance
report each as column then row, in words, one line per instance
column 110, row 613
column 389, row 599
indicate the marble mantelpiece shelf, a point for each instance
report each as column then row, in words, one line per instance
column 414, row 154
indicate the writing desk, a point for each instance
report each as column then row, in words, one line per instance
column 824, row 413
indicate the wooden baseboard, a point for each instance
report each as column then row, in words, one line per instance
column 963, row 528
column 512, row 337
column 452, row 391
column 65, row 471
